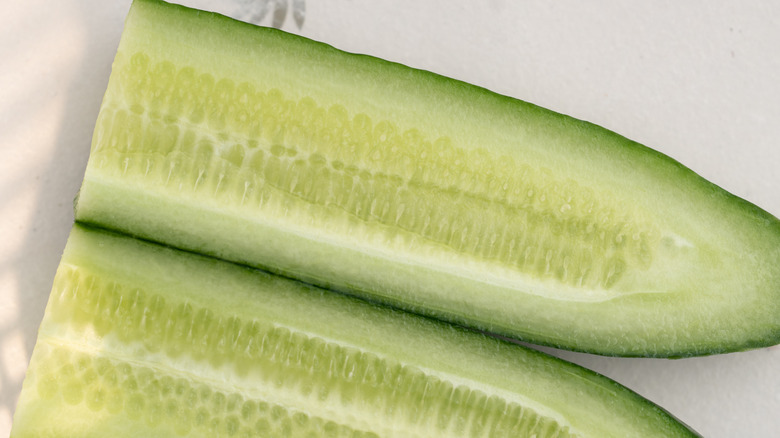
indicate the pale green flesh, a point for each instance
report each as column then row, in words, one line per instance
column 141, row 340
column 425, row 193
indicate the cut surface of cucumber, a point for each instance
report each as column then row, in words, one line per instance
column 144, row 340
column 429, row 194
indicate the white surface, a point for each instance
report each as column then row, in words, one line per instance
column 697, row 81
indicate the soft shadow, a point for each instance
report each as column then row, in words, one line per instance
column 33, row 265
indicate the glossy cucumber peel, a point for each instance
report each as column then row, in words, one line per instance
column 432, row 195
column 144, row 340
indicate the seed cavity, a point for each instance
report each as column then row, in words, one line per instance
column 256, row 148
column 320, row 371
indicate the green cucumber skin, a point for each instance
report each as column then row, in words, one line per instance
column 90, row 331
column 740, row 240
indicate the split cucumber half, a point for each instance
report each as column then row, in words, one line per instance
column 141, row 340
column 426, row 193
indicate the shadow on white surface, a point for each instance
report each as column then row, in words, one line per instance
column 289, row 14
column 59, row 56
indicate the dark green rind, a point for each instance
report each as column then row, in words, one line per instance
column 725, row 298
column 91, row 331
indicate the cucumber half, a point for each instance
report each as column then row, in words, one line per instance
column 144, row 340
column 423, row 192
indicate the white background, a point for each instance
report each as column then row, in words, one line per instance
column 697, row 80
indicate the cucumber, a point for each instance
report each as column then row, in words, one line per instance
column 411, row 189
column 144, row 340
